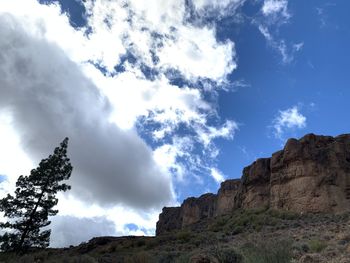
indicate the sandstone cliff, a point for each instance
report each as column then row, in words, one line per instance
column 311, row 174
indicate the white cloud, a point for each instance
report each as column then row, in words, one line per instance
column 275, row 13
column 280, row 45
column 70, row 230
column 200, row 4
column 287, row 52
column 217, row 175
column 174, row 47
column 42, row 101
column 167, row 156
column 12, row 154
column 217, row 7
column 225, row 131
column 199, row 57
column 88, row 221
column 276, row 7
column 288, row 119
column 51, row 88
column 298, row 46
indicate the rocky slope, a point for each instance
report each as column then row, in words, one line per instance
column 310, row 175
column 244, row 236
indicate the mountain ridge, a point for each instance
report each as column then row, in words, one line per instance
column 309, row 175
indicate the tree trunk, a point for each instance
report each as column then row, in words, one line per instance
column 29, row 222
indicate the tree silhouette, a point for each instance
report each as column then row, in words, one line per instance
column 35, row 197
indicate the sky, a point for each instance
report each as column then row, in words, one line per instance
column 162, row 100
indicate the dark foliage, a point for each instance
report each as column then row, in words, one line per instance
column 35, row 197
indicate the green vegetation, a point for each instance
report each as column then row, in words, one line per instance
column 251, row 236
column 250, row 220
column 317, row 245
column 141, row 257
column 184, row 236
column 267, row 251
column 227, row 255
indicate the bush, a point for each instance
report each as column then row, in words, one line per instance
column 141, row 257
column 282, row 214
column 152, row 243
column 278, row 251
column 218, row 224
column 183, row 236
column 184, row 258
column 317, row 245
column 166, row 257
column 233, row 229
column 228, row 256
column 140, row 243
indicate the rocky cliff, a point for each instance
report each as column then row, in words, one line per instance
column 311, row 174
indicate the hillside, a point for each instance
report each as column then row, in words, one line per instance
column 251, row 236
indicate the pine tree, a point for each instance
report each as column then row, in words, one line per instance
column 35, row 197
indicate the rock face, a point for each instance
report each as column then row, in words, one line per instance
column 169, row 219
column 254, row 190
column 193, row 209
column 226, row 196
column 311, row 174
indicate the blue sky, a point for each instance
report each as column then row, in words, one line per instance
column 164, row 100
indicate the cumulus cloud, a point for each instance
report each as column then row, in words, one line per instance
column 70, row 230
column 157, row 34
column 48, row 101
column 193, row 56
column 103, row 85
column 288, row 119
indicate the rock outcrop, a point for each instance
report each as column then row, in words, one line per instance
column 194, row 209
column 191, row 211
column 226, row 196
column 169, row 219
column 311, row 174
column 254, row 190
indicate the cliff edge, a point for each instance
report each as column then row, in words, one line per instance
column 310, row 175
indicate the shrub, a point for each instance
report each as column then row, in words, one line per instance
column 167, row 257
column 228, row 256
column 233, row 229
column 184, row 258
column 152, row 243
column 218, row 224
column 277, row 251
column 282, row 214
column 140, row 243
column 317, row 245
column 141, row 257
column 183, row 236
